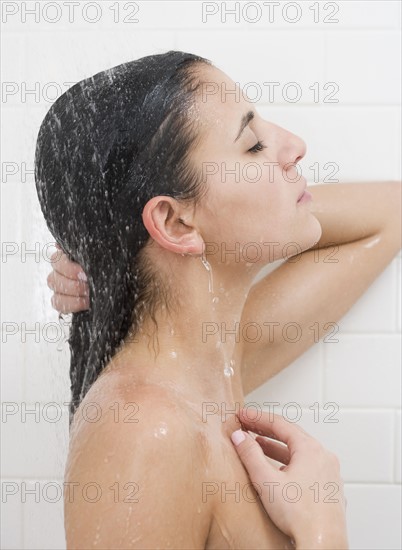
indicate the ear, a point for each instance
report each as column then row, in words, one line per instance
column 163, row 218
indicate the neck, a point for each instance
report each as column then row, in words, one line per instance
column 193, row 349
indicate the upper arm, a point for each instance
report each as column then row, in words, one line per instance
column 145, row 475
column 291, row 309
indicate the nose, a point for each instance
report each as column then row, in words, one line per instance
column 292, row 151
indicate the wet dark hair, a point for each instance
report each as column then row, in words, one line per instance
column 106, row 146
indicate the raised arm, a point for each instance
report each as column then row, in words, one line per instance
column 301, row 301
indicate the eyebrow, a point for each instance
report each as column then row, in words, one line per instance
column 244, row 121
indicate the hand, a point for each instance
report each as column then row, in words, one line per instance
column 68, row 281
column 304, row 497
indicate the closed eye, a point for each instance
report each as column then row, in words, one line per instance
column 259, row 146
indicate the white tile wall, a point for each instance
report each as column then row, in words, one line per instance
column 398, row 461
column 363, row 439
column 360, row 133
column 301, row 382
column 377, row 314
column 44, row 499
column 398, row 304
column 12, row 368
column 374, row 515
column 362, row 53
column 34, row 440
column 11, row 509
column 258, row 62
column 373, row 372
column 332, row 132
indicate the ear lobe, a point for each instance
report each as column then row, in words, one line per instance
column 161, row 217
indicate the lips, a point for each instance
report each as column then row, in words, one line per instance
column 302, row 193
column 304, row 182
column 304, row 196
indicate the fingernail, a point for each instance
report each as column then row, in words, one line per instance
column 82, row 277
column 238, row 436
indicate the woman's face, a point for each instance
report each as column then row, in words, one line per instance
column 250, row 213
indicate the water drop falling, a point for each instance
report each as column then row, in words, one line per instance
column 208, row 267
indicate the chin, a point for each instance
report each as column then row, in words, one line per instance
column 314, row 234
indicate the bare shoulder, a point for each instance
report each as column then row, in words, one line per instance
column 137, row 472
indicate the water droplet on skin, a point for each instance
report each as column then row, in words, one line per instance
column 228, row 371
column 215, row 300
column 173, row 354
column 161, row 431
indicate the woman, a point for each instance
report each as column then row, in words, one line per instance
column 143, row 178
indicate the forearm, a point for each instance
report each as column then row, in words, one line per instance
column 349, row 212
column 325, row 532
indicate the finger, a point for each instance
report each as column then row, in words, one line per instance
column 276, row 451
column 258, row 467
column 66, row 267
column 274, row 426
column 69, row 304
column 63, row 285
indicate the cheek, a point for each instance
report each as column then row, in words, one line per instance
column 229, row 213
column 273, row 209
column 241, row 210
